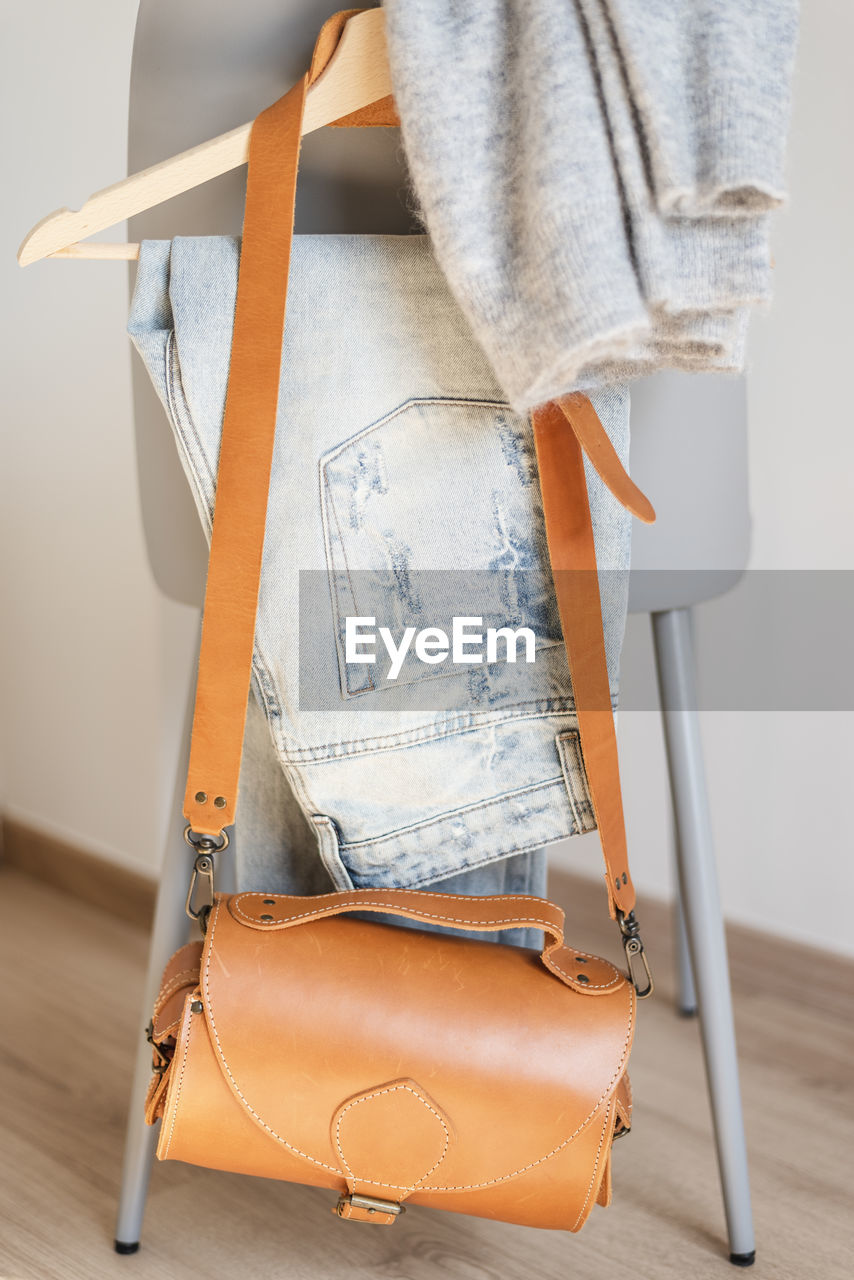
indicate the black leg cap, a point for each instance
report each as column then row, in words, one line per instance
column 124, row 1246
column 687, row 1012
column 743, row 1259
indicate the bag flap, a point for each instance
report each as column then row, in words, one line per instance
column 407, row 1060
column 180, row 976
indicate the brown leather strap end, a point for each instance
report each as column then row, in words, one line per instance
column 593, row 438
column 382, row 112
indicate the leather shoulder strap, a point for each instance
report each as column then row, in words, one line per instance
column 246, row 451
column 246, row 448
column 243, row 474
column 559, row 429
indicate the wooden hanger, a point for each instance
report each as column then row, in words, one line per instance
column 357, row 75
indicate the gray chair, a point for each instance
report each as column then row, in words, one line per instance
column 689, row 451
column 198, row 69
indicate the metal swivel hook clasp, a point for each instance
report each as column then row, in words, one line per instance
column 640, row 974
column 203, row 870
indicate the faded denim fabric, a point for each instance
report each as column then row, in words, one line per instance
column 395, row 452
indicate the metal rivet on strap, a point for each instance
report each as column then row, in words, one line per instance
column 201, row 797
column 220, row 802
column 581, row 959
column 266, row 917
column 582, row 977
column 196, row 1006
column 625, row 878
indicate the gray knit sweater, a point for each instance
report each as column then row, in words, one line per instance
column 596, row 175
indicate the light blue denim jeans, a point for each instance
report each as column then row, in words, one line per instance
column 395, row 455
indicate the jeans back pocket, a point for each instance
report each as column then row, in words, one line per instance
column 430, row 513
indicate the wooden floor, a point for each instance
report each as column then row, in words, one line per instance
column 72, row 977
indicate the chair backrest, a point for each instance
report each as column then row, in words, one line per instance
column 202, row 66
column 689, row 455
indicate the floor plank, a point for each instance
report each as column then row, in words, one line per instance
column 72, row 982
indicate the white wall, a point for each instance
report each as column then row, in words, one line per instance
column 94, row 657
column 87, row 640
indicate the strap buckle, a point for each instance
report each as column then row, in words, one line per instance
column 364, row 1208
column 203, row 869
column 640, row 974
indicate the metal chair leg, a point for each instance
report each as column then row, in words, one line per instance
column 686, row 995
column 169, row 931
column 703, row 919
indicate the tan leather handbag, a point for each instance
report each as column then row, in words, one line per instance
column 300, row 1042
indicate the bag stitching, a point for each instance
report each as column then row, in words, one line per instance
column 428, row 915
column 321, row 1164
column 575, row 1224
column 555, row 930
column 454, row 897
column 304, row 1154
column 169, row 989
column 588, row 986
column 478, row 1185
column 377, row 1093
column 178, row 1087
